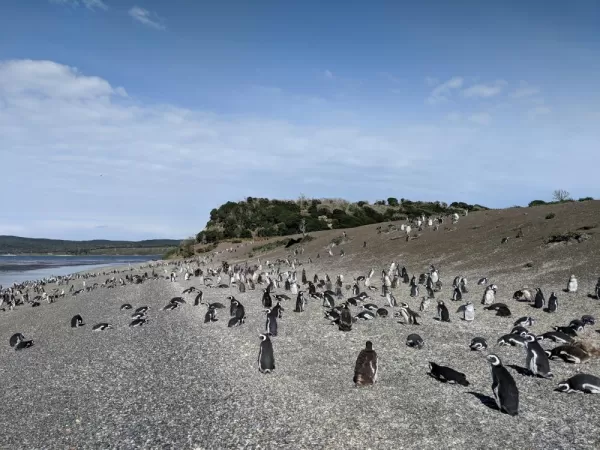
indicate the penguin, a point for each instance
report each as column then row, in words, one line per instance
column 15, row 339
column 138, row 322
column 522, row 295
column 77, row 321
column 101, row 326
column 370, row 307
column 178, row 300
column 366, row 368
column 566, row 330
column 556, row 336
column 577, row 325
column 382, row 312
column 409, row 316
column 572, row 284
column 457, row 294
column 170, row 306
column 391, row 299
column 489, row 295
column 582, row 383
column 519, row 330
column 482, row 281
column 478, row 344
column 504, row 387
column 23, row 344
column 447, row 374
column 524, row 322
column 300, row 302
column 142, row 309
column 278, row 310
column 414, row 290
column 443, row 314
column 536, row 360
column 424, row 304
column 569, row 354
column 271, row 324
column 468, row 312
column 597, row 289
column 463, row 285
column 540, row 300
column 125, row 306
column 138, row 315
column 345, row 318
column 552, row 303
column 211, row 315
column 512, row 340
column 415, row 341
column 588, row 320
column 199, row 298
column 267, row 302
column 328, row 301
column 365, row 315
column 266, row 359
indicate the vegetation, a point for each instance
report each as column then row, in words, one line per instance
column 550, row 216
column 21, row 245
column 261, row 217
column 567, row 237
column 560, row 195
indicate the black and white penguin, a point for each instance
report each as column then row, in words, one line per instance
column 577, row 325
column 572, row 284
column 540, row 300
column 23, row 344
column 266, row 358
column 409, row 316
column 414, row 290
column 77, row 321
column 457, row 294
column 536, row 360
column 552, row 303
column 519, row 330
column 569, row 353
column 211, row 315
column 345, row 323
column 199, row 298
column 366, row 368
column 382, row 312
column 524, row 322
column 447, row 374
column 365, row 315
column 504, row 387
column 170, row 306
column 15, row 339
column 138, row 315
column 442, row 311
column 178, row 300
column 101, row 326
column 278, row 310
column 142, row 309
column 482, row 281
column 415, row 341
column 370, row 306
column 582, row 383
column 567, row 330
column 391, row 299
column 267, row 301
column 139, row 322
column 512, row 340
column 588, row 320
column 556, row 336
column 300, row 302
column 478, row 344
column 125, row 306
column 271, row 323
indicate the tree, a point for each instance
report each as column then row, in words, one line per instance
column 560, row 195
column 392, row 201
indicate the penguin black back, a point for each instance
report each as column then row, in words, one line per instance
column 504, row 387
column 365, row 369
column 447, row 374
column 266, row 358
column 77, row 321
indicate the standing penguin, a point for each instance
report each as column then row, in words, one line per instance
column 266, row 359
column 504, row 387
column 537, row 360
column 489, row 296
column 572, row 284
column 469, row 312
column 552, row 303
column 414, row 290
column 365, row 369
column 457, row 294
column 443, row 314
column 271, row 324
column 300, row 302
column 345, row 318
column 540, row 300
column 267, row 301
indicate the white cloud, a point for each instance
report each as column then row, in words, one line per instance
column 481, row 118
column 485, row 90
column 442, row 91
column 525, row 90
column 146, row 17
column 89, row 4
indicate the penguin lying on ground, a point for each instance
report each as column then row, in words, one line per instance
column 447, row 374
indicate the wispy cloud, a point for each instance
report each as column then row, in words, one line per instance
column 442, row 91
column 485, row 90
column 146, row 17
column 89, row 4
column 525, row 90
column 482, row 118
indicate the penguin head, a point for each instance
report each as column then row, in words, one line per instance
column 529, row 337
column 563, row 387
column 369, row 345
column 494, row 360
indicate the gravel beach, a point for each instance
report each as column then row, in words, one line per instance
column 180, row 383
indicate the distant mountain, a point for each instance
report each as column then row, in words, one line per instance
column 21, row 245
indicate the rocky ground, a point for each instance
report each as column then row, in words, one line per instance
column 180, row 383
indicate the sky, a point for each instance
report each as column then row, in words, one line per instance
column 132, row 119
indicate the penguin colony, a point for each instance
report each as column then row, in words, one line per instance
column 371, row 303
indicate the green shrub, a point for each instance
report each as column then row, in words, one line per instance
column 550, row 216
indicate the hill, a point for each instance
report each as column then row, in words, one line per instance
column 20, row 245
column 261, row 217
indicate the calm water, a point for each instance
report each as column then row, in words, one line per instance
column 22, row 268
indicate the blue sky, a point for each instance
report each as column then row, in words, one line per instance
column 132, row 119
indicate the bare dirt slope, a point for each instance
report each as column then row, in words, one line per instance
column 181, row 383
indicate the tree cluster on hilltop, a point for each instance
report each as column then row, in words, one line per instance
column 261, row 217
